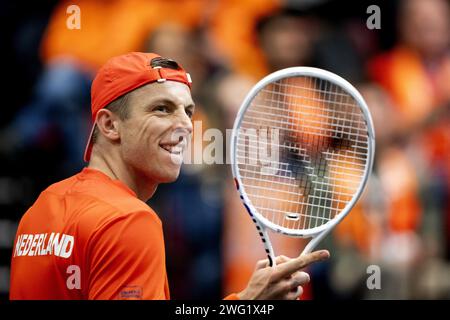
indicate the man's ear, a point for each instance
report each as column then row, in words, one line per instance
column 108, row 124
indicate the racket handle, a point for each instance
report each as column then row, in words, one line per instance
column 267, row 245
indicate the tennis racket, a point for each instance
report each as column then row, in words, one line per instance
column 302, row 149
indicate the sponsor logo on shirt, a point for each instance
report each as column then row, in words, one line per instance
column 131, row 292
column 42, row 244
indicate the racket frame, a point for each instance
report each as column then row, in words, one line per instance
column 262, row 224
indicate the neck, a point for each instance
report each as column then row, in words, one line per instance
column 118, row 170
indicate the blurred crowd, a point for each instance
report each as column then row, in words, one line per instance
column 401, row 224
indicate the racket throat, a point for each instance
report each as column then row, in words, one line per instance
column 315, row 241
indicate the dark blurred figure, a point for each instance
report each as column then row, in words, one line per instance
column 416, row 71
column 287, row 39
column 59, row 108
column 413, row 161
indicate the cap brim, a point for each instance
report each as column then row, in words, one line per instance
column 88, row 150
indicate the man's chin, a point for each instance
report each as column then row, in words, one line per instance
column 168, row 178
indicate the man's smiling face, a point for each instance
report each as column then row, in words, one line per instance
column 155, row 134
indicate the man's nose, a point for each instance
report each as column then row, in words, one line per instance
column 184, row 122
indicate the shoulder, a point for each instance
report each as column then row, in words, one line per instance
column 90, row 207
column 136, row 229
column 124, row 220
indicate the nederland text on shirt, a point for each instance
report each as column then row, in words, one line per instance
column 41, row 245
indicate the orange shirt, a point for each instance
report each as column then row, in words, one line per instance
column 89, row 237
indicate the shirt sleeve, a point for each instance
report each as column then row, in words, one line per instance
column 127, row 259
column 232, row 296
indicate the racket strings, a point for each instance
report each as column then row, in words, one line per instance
column 302, row 151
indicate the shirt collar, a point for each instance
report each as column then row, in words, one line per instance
column 90, row 173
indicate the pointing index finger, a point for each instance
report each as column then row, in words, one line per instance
column 298, row 263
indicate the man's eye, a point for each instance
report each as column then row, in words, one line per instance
column 190, row 113
column 161, row 108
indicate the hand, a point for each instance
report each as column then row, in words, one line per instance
column 284, row 281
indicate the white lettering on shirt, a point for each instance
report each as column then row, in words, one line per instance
column 60, row 245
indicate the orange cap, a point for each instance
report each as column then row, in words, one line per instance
column 123, row 74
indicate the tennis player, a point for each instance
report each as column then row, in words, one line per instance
column 92, row 236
